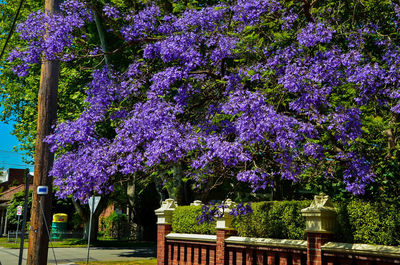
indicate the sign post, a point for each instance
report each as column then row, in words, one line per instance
column 93, row 202
column 19, row 213
column 25, row 211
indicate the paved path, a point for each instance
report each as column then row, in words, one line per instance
column 71, row 255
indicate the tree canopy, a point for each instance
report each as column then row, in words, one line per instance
column 251, row 90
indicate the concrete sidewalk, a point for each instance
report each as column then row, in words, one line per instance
column 71, row 255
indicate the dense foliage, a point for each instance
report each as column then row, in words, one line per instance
column 249, row 90
column 373, row 223
column 185, row 220
column 18, row 199
column 274, row 219
column 115, row 226
column 357, row 222
column 19, row 96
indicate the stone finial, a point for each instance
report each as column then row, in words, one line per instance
column 225, row 221
column 164, row 213
column 320, row 215
column 196, row 203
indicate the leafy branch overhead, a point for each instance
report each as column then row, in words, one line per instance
column 249, row 90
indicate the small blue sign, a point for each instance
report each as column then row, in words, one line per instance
column 42, row 190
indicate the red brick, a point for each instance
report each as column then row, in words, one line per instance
column 239, row 258
column 170, row 254
column 176, row 255
column 271, row 258
column 196, row 256
column 204, row 255
column 222, row 256
column 249, row 257
column 189, row 257
column 296, row 259
column 260, row 257
column 230, row 258
column 162, row 248
column 314, row 243
column 283, row 258
column 212, row 256
column 182, row 259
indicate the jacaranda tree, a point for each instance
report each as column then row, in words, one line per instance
column 251, row 90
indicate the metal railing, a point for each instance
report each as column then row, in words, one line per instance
column 13, row 236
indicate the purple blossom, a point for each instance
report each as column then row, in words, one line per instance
column 142, row 23
column 60, row 29
column 163, row 80
column 204, row 88
column 250, row 11
column 216, row 210
column 289, row 18
column 347, row 124
column 357, row 174
column 315, row 33
column 111, row 11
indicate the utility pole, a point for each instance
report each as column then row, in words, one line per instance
column 47, row 113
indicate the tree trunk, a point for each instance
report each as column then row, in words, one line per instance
column 47, row 113
column 84, row 213
column 93, row 232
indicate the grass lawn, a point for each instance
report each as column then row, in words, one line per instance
column 133, row 262
column 77, row 242
column 70, row 242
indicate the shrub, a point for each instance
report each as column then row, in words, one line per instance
column 357, row 221
column 374, row 223
column 116, row 225
column 184, row 220
column 273, row 219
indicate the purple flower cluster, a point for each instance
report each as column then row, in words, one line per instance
column 207, row 88
column 216, row 210
column 250, row 11
column 111, row 11
column 315, row 33
column 141, row 24
column 357, row 174
column 256, row 178
column 49, row 35
column 208, row 19
column 346, row 124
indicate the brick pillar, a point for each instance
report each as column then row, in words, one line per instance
column 314, row 243
column 162, row 249
column 221, row 253
column 224, row 230
column 164, row 227
column 320, row 222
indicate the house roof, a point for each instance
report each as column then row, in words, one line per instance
column 7, row 195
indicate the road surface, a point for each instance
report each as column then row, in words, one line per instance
column 71, row 255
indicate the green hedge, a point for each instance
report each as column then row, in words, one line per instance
column 367, row 222
column 357, row 222
column 273, row 219
column 184, row 221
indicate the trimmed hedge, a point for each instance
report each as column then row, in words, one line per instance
column 370, row 223
column 273, row 219
column 184, row 221
column 357, row 222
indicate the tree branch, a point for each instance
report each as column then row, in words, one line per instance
column 307, row 6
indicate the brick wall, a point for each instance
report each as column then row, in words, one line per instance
column 227, row 249
column 15, row 177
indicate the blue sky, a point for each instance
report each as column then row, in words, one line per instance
column 8, row 158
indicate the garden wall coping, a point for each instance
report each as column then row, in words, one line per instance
column 282, row 243
column 192, row 237
column 365, row 249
